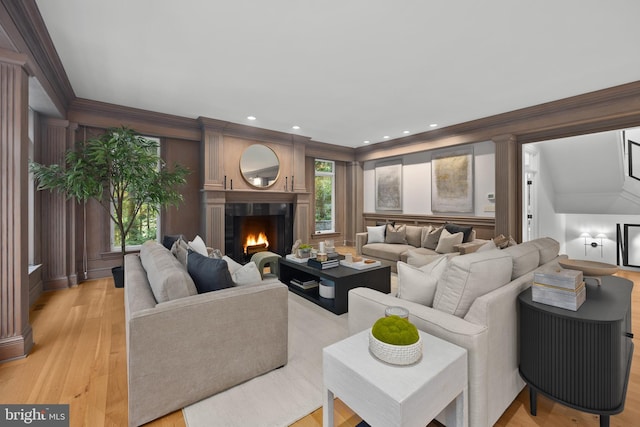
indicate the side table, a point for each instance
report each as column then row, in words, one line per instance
column 579, row 358
column 387, row 395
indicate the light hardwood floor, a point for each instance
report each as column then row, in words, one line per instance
column 79, row 358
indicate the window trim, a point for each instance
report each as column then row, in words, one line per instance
column 332, row 174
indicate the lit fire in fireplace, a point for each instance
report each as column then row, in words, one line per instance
column 255, row 243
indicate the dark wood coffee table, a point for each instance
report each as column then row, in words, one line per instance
column 344, row 279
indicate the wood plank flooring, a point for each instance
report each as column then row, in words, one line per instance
column 79, row 358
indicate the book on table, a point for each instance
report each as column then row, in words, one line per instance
column 323, row 265
column 304, row 284
column 557, row 296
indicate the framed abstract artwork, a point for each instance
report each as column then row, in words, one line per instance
column 452, row 181
column 389, row 186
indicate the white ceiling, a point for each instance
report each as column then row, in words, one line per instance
column 345, row 71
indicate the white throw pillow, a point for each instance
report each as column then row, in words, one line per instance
column 376, row 234
column 447, row 241
column 247, row 274
column 418, row 284
column 198, row 245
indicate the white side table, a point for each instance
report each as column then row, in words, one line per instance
column 387, row 395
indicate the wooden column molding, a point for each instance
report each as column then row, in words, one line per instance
column 508, row 161
column 58, row 213
column 16, row 337
column 355, row 201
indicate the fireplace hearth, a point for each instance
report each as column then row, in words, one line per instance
column 257, row 227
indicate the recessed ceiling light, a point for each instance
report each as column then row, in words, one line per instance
column 296, row 127
column 433, row 125
column 251, row 118
column 405, row 131
column 366, row 142
column 386, row 137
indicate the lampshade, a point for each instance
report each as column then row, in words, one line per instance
column 585, row 234
column 601, row 236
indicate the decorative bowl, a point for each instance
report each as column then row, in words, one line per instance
column 395, row 354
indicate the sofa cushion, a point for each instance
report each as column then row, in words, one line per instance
column 526, row 258
column 430, row 241
column 548, row 247
column 447, row 241
column 470, row 276
column 464, row 229
column 209, row 274
column 418, row 284
column 385, row 250
column 417, row 258
column 425, row 235
column 396, row 234
column 376, row 234
column 167, row 277
column 414, row 235
column 169, row 240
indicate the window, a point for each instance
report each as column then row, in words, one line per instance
column 325, row 195
column 145, row 227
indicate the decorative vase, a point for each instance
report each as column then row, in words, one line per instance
column 395, row 354
column 304, row 253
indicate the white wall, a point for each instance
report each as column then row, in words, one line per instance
column 416, row 181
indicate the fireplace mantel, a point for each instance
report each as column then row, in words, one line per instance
column 214, row 211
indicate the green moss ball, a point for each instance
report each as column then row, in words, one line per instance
column 395, row 330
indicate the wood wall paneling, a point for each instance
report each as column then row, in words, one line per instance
column 185, row 218
column 16, row 338
column 508, row 187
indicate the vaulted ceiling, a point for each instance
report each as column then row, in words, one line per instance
column 345, row 72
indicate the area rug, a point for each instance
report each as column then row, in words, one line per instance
column 283, row 396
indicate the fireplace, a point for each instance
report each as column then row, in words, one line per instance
column 256, row 227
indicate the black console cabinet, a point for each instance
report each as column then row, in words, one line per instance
column 579, row 358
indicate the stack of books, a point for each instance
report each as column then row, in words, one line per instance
column 323, row 265
column 305, row 285
column 563, row 288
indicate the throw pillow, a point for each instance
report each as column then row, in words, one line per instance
column 198, row 245
column 396, row 234
column 447, row 241
column 180, row 250
column 243, row 274
column 169, row 240
column 376, row 234
column 414, row 235
column 425, row 234
column 455, row 228
column 208, row 274
column 418, row 284
column 431, row 241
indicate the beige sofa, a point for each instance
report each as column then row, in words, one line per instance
column 192, row 346
column 390, row 253
column 474, row 307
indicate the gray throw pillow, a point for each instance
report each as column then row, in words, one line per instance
column 431, row 242
column 396, row 234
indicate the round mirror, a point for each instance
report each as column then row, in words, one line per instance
column 259, row 166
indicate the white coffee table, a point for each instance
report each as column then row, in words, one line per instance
column 387, row 395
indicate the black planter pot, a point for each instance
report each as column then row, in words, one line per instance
column 118, row 276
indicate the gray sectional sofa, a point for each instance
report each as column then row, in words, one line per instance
column 191, row 346
column 475, row 307
column 390, row 251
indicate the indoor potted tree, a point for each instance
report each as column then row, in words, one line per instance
column 122, row 171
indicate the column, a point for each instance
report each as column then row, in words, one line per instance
column 16, row 337
column 508, row 194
